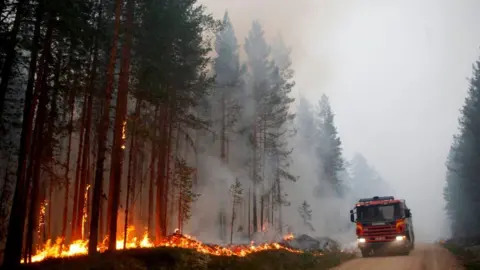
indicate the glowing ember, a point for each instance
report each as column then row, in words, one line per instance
column 80, row 247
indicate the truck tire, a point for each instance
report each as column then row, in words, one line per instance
column 366, row 253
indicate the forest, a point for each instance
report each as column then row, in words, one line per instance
column 124, row 121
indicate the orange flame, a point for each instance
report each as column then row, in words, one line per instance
column 80, row 247
column 288, row 237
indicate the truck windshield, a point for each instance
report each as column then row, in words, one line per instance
column 373, row 213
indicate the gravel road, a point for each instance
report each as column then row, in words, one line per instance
column 424, row 257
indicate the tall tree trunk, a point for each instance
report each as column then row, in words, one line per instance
column 168, row 173
column 279, row 201
column 255, row 175
column 67, row 166
column 13, row 246
column 83, row 171
column 78, row 190
column 11, row 53
column 102, row 139
column 133, row 169
column 123, row 90
column 249, row 224
column 119, row 143
column 222, row 130
column 152, row 180
column 160, row 200
column 38, row 148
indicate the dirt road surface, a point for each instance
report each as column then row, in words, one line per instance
column 424, row 257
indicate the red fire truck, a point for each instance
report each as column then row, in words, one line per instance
column 383, row 223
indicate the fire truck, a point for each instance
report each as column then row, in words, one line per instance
column 383, row 224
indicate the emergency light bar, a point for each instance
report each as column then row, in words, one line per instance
column 377, row 200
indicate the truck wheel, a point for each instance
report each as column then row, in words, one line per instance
column 365, row 253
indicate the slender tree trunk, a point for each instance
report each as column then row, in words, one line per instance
column 124, row 79
column 11, row 52
column 279, row 199
column 155, row 150
column 38, row 148
column 120, row 129
column 152, row 181
column 168, row 173
column 129, row 184
column 67, row 166
column 254, row 197
column 78, row 180
column 249, row 224
column 84, row 171
column 137, row 172
column 160, row 200
column 232, row 220
column 102, row 139
column 13, row 246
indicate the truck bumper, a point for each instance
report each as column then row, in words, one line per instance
column 396, row 245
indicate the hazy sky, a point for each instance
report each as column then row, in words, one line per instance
column 396, row 75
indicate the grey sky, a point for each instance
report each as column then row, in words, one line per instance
column 395, row 72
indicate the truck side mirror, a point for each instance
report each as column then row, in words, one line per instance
column 352, row 218
column 408, row 214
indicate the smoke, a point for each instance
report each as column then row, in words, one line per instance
column 298, row 25
column 393, row 70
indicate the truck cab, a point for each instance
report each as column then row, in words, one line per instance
column 383, row 223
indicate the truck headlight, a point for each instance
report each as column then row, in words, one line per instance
column 400, row 238
column 361, row 240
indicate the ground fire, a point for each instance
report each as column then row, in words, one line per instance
column 57, row 250
column 383, row 223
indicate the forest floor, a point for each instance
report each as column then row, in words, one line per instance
column 183, row 259
column 467, row 255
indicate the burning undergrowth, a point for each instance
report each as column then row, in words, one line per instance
column 176, row 240
column 207, row 257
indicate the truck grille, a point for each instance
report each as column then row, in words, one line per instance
column 379, row 233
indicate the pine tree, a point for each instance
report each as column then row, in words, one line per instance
column 305, row 122
column 185, row 196
column 366, row 181
column 305, row 212
column 280, row 129
column 260, row 68
column 236, row 191
column 462, row 185
column 329, row 151
column 227, row 95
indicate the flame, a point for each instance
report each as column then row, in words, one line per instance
column 80, row 247
column 288, row 237
column 41, row 218
column 85, row 210
column 124, row 133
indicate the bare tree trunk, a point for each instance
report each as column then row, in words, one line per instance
column 11, row 52
column 161, row 175
column 167, row 171
column 155, row 149
column 67, row 166
column 84, row 170
column 102, row 139
column 232, row 220
column 78, row 186
column 13, row 246
column 38, row 148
